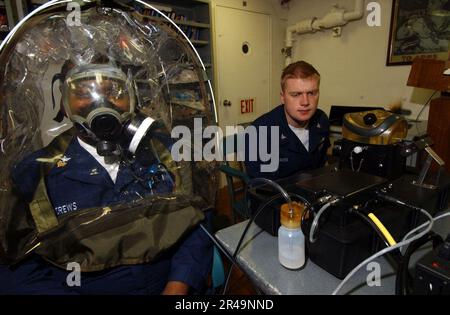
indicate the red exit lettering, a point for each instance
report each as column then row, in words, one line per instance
column 247, row 106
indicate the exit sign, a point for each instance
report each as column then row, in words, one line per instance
column 247, row 105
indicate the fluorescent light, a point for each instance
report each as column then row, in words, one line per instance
column 442, row 13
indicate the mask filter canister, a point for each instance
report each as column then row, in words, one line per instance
column 136, row 130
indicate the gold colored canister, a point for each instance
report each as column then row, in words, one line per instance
column 291, row 218
column 374, row 127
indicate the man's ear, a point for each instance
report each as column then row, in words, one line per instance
column 282, row 97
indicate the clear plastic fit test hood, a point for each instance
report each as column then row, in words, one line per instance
column 168, row 75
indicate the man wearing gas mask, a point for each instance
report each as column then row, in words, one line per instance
column 99, row 99
column 107, row 160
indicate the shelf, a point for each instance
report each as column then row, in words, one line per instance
column 184, row 83
column 194, row 105
column 193, row 19
column 193, row 24
column 178, row 22
column 199, row 42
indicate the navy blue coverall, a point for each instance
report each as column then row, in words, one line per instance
column 293, row 156
column 81, row 182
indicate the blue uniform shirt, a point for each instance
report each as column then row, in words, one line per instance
column 81, row 182
column 293, row 156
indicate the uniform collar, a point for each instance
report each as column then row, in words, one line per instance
column 124, row 175
column 291, row 140
column 80, row 165
column 317, row 133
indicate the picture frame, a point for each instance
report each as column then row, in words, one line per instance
column 419, row 28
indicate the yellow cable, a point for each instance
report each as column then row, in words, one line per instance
column 382, row 229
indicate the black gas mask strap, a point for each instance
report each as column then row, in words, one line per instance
column 86, row 132
column 60, row 115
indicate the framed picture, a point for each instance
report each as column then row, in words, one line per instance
column 419, row 28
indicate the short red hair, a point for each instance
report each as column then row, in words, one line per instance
column 298, row 70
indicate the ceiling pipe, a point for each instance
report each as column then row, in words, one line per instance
column 336, row 18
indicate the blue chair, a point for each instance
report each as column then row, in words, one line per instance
column 238, row 205
column 218, row 271
column 237, row 180
column 217, row 275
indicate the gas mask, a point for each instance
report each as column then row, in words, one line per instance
column 100, row 100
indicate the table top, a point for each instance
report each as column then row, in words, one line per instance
column 258, row 258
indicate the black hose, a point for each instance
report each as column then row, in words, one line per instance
column 252, row 218
column 403, row 279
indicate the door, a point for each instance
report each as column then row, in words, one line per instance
column 243, row 44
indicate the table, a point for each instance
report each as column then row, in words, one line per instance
column 258, row 258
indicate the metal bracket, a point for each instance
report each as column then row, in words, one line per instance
column 432, row 155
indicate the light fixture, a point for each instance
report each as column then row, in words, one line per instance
column 442, row 12
column 429, row 74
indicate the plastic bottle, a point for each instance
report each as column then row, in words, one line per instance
column 291, row 241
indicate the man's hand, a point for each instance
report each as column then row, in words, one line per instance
column 176, row 288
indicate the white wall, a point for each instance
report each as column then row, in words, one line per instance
column 353, row 66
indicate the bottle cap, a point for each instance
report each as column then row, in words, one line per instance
column 291, row 218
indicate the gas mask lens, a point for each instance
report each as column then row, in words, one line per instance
column 91, row 88
column 89, row 94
